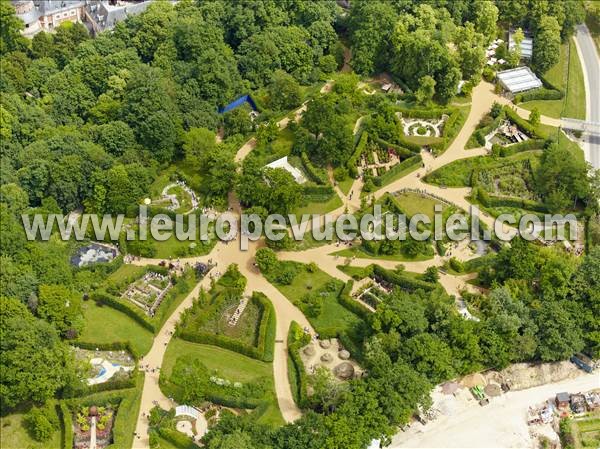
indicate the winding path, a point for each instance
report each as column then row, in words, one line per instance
column 226, row 253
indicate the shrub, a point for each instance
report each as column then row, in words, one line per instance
column 340, row 174
column 456, row 265
column 350, row 304
column 539, row 94
column 315, row 174
column 489, row 75
column 286, row 275
column 358, row 151
column 38, row 424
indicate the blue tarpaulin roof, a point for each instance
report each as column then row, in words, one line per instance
column 238, row 102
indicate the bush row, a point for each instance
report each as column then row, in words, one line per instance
column 400, row 150
column 112, row 346
column 318, row 191
column 358, row 151
column 177, row 439
column 424, row 113
column 526, row 145
column 400, row 280
column 539, row 94
column 267, row 328
column 480, row 133
column 315, row 174
column 521, row 122
column 66, row 422
column 496, row 201
column 345, row 299
column 294, row 346
column 413, row 161
column 220, row 340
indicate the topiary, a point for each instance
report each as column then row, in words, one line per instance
column 38, row 425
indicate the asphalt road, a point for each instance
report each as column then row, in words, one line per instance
column 591, row 67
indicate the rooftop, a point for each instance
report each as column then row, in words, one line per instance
column 519, row 79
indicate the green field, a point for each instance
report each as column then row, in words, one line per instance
column 229, row 365
column 575, row 100
column 566, row 75
column 124, row 272
column 332, row 316
column 106, row 325
column 413, row 203
column 320, row 207
column 15, row 436
column 346, row 185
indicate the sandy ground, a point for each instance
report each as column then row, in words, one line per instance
column 501, row 424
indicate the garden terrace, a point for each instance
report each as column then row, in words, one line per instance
column 238, row 381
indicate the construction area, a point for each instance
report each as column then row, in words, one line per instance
column 525, row 403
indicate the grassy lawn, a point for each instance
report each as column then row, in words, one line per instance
column 16, row 436
column 231, row 366
column 319, row 208
column 106, row 325
column 413, row 203
column 575, row 100
column 125, row 272
column 332, row 315
column 549, row 108
column 172, row 247
column 346, row 185
column 567, row 75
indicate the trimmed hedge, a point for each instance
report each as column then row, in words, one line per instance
column 423, row 113
column 402, row 151
column 539, row 94
column 358, row 151
column 316, row 174
column 350, row 304
column 112, row 346
column 319, row 193
column 298, row 365
column 488, row 200
column 404, row 165
column 176, row 438
column 400, row 280
column 521, row 122
column 66, row 422
column 267, row 328
column 526, row 145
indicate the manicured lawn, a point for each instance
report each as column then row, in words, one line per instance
column 125, row 271
column 107, row 325
column 15, row 435
column 320, row 208
column 229, row 365
column 332, row 315
column 567, row 75
column 346, row 185
column 549, row 108
column 413, row 203
column 575, row 100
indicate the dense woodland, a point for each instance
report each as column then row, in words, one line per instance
column 92, row 122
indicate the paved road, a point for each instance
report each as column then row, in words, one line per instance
column 590, row 61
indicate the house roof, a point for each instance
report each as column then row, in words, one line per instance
column 563, row 397
column 519, row 79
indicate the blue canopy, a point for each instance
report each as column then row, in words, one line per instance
column 238, row 102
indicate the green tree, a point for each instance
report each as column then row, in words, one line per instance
column 284, row 91
column 60, row 307
column 197, row 144
column 534, row 117
column 546, row 44
column 486, row 18
column 426, row 90
column 266, row 260
column 10, row 31
column 30, row 346
column 39, row 425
